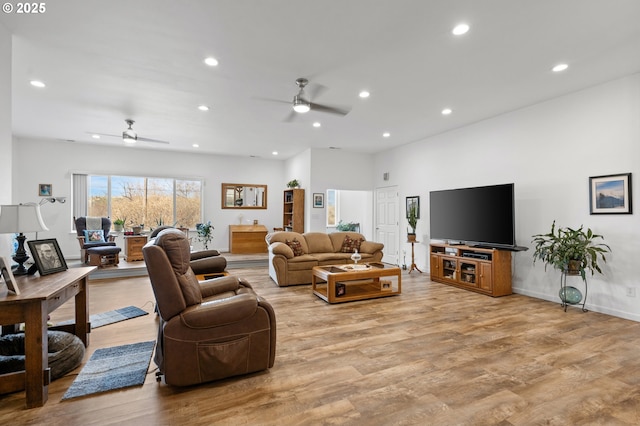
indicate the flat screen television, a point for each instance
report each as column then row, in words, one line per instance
column 480, row 216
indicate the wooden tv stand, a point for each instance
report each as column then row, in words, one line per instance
column 483, row 270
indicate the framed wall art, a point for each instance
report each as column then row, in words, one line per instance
column 45, row 190
column 610, row 194
column 413, row 201
column 48, row 256
column 318, row 200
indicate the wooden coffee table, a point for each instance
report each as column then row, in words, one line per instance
column 346, row 283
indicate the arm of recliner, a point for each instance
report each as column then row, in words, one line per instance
column 219, row 312
column 203, row 254
column 218, row 285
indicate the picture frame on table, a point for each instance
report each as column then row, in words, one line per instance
column 610, row 194
column 318, row 200
column 48, row 256
column 7, row 275
column 411, row 201
column 45, row 190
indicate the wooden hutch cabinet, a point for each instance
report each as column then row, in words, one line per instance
column 293, row 210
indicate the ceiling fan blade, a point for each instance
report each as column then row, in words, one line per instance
column 151, row 140
column 329, row 109
column 292, row 116
column 105, row 134
column 314, row 90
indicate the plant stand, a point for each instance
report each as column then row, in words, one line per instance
column 563, row 292
column 413, row 258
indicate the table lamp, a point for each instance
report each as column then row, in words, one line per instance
column 19, row 219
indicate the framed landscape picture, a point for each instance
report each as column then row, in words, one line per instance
column 610, row 194
column 318, row 200
column 411, row 202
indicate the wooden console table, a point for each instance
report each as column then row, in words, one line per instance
column 39, row 296
column 247, row 239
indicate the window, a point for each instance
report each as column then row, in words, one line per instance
column 332, row 208
column 147, row 201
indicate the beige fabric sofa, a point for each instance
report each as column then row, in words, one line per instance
column 317, row 248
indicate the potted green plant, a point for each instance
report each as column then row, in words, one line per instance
column 412, row 219
column 205, row 233
column 118, row 224
column 574, row 251
column 293, row 183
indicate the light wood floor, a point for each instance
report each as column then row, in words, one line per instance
column 434, row 355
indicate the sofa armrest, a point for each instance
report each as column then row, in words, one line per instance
column 215, row 313
column 215, row 286
column 281, row 248
column 370, row 247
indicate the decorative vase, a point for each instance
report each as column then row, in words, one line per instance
column 570, row 295
column 356, row 257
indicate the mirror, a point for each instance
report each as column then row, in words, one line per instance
column 244, row 196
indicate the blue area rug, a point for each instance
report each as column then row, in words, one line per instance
column 113, row 368
column 105, row 318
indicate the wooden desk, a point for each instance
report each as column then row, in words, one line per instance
column 38, row 297
column 247, row 238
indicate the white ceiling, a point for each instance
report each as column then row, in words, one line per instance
column 105, row 61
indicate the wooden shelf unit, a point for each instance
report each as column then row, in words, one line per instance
column 483, row 270
column 293, row 210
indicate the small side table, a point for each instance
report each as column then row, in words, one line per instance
column 413, row 258
column 133, row 247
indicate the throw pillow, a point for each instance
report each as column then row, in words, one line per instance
column 350, row 245
column 295, row 246
column 94, row 236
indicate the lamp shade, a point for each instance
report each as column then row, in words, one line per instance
column 21, row 218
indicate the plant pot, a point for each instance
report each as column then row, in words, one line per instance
column 118, row 228
column 573, row 268
column 411, row 238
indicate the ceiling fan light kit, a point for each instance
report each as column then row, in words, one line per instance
column 129, row 136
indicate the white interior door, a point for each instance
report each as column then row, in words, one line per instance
column 387, row 223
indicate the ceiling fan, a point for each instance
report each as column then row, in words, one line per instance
column 129, row 136
column 302, row 104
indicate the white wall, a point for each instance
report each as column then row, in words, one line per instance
column 6, row 248
column 343, row 170
column 549, row 151
column 54, row 162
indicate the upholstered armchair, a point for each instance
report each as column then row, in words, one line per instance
column 93, row 232
column 208, row 330
column 205, row 263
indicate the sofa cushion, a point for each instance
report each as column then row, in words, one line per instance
column 318, row 242
column 283, row 236
column 295, row 246
column 350, row 245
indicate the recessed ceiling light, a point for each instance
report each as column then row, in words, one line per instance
column 386, row 134
column 560, row 67
column 95, row 136
column 364, row 94
column 203, row 108
column 37, row 83
column 447, row 111
column 317, row 124
column 211, row 61
column 460, row 29
column 195, row 145
column 274, row 153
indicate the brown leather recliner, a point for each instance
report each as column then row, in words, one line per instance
column 208, row 330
